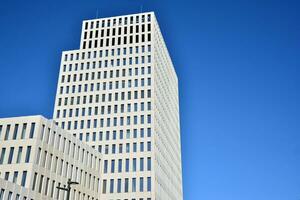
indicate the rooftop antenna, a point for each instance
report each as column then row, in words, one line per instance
column 97, row 13
column 141, row 9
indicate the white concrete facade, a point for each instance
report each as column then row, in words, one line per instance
column 39, row 156
column 119, row 94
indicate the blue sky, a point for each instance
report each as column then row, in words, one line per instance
column 238, row 67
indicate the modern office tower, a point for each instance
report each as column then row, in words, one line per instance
column 119, row 93
column 39, row 156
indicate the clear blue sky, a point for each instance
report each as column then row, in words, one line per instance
column 238, row 64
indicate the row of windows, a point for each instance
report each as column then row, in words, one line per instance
column 114, row 135
column 110, row 63
column 105, row 97
column 62, row 144
column 17, row 132
column 108, row 52
column 14, row 177
column 117, row 21
column 106, row 122
column 133, row 167
column 92, row 76
column 11, row 155
column 125, row 40
column 116, row 185
column 117, row 31
column 134, row 107
column 10, row 195
column 104, row 86
column 126, row 150
column 48, row 187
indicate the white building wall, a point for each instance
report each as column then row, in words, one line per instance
column 49, row 156
column 108, row 95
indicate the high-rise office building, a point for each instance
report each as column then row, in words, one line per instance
column 119, row 93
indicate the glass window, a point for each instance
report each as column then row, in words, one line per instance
column 141, row 184
column 24, row 176
column 111, row 188
column 141, row 164
column 28, row 152
column 119, row 186
column 149, row 163
column 19, row 154
column 11, row 154
column 133, row 184
column 16, row 131
column 148, row 184
column 126, row 185
column 127, row 165
column 7, row 132
column 32, row 130
column 2, row 155
column 120, row 165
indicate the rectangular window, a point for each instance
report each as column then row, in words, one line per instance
column 11, row 154
column 19, row 154
column 28, row 152
column 2, row 155
column 120, row 165
column 32, row 130
column 134, row 164
column 149, row 163
column 141, row 164
column 15, row 177
column 127, row 165
column 111, row 188
column 105, row 166
column 104, row 187
column 126, row 185
column 119, row 186
column 141, row 184
column 148, row 184
column 7, row 132
column 133, row 184
column 24, row 176
column 16, row 131
column 34, row 181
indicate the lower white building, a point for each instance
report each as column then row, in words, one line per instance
column 13, row 191
column 36, row 156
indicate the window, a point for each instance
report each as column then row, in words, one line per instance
column 120, row 165
column 141, row 164
column 111, row 188
column 119, row 186
column 7, row 132
column 105, row 166
column 126, row 185
column 19, row 154
column 127, row 165
column 23, row 181
column 134, row 164
column 112, row 167
column 34, row 181
column 141, row 184
column 133, row 184
column 2, row 155
column 32, row 130
column 15, row 177
column 16, row 131
column 149, row 163
column 27, row 158
column 11, row 154
column 148, row 184
column 104, row 187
